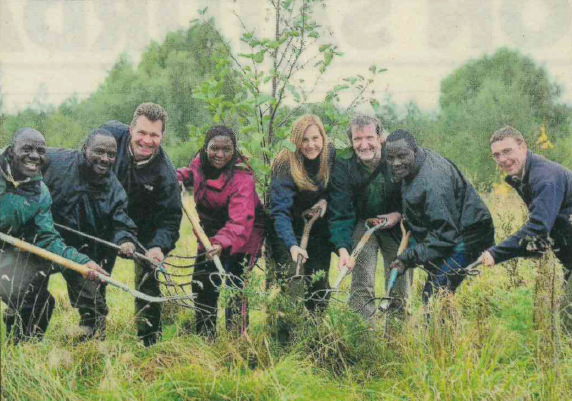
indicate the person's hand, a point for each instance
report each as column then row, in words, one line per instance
column 216, row 251
column 127, row 249
column 322, row 204
column 296, row 251
column 487, row 259
column 155, row 254
column 392, row 219
column 398, row 264
column 94, row 269
column 345, row 260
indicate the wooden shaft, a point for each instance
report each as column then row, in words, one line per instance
column 81, row 269
column 306, row 235
column 199, row 232
column 404, row 239
column 52, row 257
column 341, row 276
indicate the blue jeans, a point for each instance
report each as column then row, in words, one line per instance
column 447, row 275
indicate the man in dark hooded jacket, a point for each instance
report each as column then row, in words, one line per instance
column 450, row 223
column 150, row 180
column 25, row 213
column 87, row 197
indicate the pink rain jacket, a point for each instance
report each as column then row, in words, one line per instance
column 230, row 211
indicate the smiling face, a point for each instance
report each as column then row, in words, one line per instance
column 312, row 143
column 401, row 158
column 509, row 155
column 146, row 137
column 101, row 153
column 220, row 151
column 28, row 154
column 367, row 143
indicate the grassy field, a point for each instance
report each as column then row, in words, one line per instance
column 497, row 339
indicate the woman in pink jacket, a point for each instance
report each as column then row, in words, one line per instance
column 231, row 214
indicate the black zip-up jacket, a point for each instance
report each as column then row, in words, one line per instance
column 546, row 189
column 287, row 202
column 442, row 210
column 152, row 192
column 89, row 203
column 349, row 194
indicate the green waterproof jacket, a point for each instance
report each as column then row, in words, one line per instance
column 25, row 213
column 351, row 194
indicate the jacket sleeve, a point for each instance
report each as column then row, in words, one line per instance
column 124, row 229
column 167, row 218
column 282, row 192
column 547, row 200
column 117, row 129
column 49, row 239
column 341, row 208
column 185, row 175
column 241, row 211
column 443, row 234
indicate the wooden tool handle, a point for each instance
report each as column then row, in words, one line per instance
column 199, row 232
column 314, row 214
column 52, row 257
column 341, row 276
column 404, row 239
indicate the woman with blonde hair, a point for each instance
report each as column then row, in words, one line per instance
column 299, row 182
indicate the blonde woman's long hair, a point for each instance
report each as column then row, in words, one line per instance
column 296, row 159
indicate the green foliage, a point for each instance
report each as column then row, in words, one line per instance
column 268, row 91
column 486, row 94
column 480, row 344
column 166, row 75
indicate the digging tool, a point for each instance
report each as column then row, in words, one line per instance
column 372, row 225
column 386, row 302
column 81, row 269
column 199, row 232
column 310, row 216
column 107, row 243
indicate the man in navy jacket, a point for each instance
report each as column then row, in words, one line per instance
column 149, row 178
column 546, row 188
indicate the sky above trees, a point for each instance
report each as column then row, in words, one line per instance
column 52, row 49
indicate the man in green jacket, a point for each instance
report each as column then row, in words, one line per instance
column 362, row 188
column 25, row 213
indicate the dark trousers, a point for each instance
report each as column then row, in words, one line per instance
column 147, row 314
column 89, row 298
column 24, row 288
column 207, row 286
column 447, row 274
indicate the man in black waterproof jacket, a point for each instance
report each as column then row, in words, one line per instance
column 449, row 222
column 88, row 197
column 546, row 189
column 362, row 188
column 150, row 180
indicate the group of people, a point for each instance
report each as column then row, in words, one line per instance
column 122, row 187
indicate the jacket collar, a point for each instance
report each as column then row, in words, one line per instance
column 420, row 157
column 514, row 181
column 142, row 163
column 6, row 172
column 87, row 174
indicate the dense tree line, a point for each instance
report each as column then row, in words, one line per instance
column 476, row 99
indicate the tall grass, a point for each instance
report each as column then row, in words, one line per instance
column 484, row 343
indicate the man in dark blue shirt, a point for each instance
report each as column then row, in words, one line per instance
column 546, row 188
